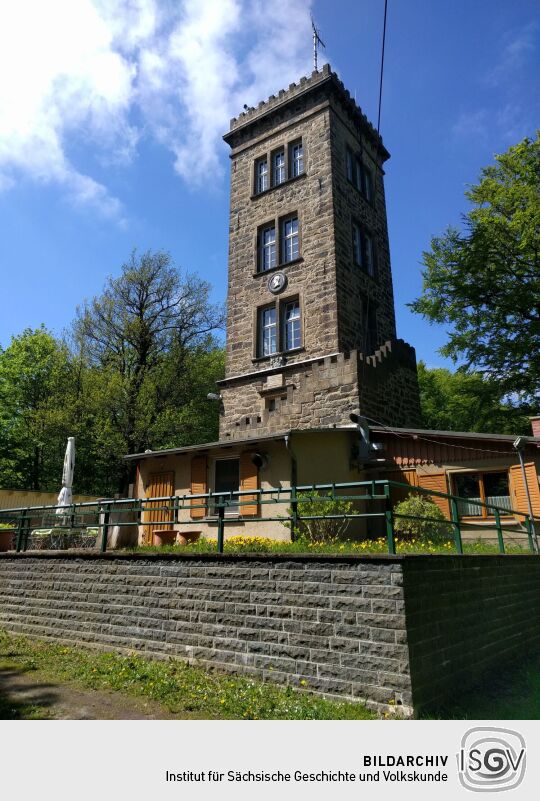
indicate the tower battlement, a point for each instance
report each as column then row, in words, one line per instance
column 305, row 85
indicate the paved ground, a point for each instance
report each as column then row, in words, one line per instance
column 32, row 696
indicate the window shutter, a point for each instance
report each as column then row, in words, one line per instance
column 199, row 485
column 438, row 483
column 249, row 480
column 517, row 489
column 160, row 485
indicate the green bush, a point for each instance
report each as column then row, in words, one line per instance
column 436, row 527
column 320, row 530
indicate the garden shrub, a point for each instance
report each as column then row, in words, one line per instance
column 329, row 530
column 437, row 527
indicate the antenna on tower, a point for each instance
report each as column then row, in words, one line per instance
column 316, row 42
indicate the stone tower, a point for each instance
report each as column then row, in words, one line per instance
column 311, row 332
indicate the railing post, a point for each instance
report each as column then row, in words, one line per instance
column 20, row 531
column 105, row 528
column 530, row 533
column 456, row 525
column 221, row 525
column 294, row 513
column 499, row 530
column 389, row 515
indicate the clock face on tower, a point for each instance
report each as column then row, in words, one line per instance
column 277, row 283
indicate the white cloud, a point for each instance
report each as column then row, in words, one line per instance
column 81, row 71
column 514, row 54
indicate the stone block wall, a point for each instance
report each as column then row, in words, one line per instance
column 336, row 624
column 323, row 392
column 467, row 616
column 412, row 630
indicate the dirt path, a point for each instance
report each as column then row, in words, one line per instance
column 32, row 695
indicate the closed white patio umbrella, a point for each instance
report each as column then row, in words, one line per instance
column 65, row 498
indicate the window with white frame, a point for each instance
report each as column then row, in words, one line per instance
column 278, row 168
column 267, row 248
column 296, row 159
column 278, row 243
column 290, row 242
column 287, row 336
column 267, row 331
column 292, row 334
column 261, row 173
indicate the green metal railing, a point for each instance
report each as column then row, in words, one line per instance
column 102, row 515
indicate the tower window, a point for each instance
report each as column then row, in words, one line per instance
column 278, row 174
column 291, row 325
column 267, row 248
column 371, row 335
column 363, row 249
column 278, row 166
column 358, row 174
column 349, row 165
column 271, row 338
column 297, row 159
column 261, row 172
column 367, row 183
column 278, row 242
column 289, row 239
column 267, row 331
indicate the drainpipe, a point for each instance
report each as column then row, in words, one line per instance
column 294, row 482
column 519, row 446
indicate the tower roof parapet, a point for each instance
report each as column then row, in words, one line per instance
column 306, row 85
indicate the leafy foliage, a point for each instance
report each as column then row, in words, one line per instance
column 323, row 531
column 485, row 280
column 424, row 520
column 468, row 401
column 134, row 375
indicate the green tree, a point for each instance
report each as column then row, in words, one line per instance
column 485, row 280
column 467, row 401
column 34, row 397
column 149, row 335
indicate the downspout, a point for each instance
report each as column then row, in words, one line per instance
column 528, row 494
column 293, row 482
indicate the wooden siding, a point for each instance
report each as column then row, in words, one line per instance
column 518, row 495
column 406, row 450
column 438, row 483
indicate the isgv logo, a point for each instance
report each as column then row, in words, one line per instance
column 491, row 759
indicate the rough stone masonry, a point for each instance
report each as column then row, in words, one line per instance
column 409, row 630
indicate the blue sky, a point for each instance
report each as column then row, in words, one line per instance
column 111, row 115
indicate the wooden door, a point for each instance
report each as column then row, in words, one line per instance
column 159, row 485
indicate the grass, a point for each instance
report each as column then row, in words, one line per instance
column 179, row 687
column 247, row 544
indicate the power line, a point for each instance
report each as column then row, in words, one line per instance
column 432, row 441
column 382, row 67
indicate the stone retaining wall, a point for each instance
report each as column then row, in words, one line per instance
column 337, row 625
column 406, row 630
